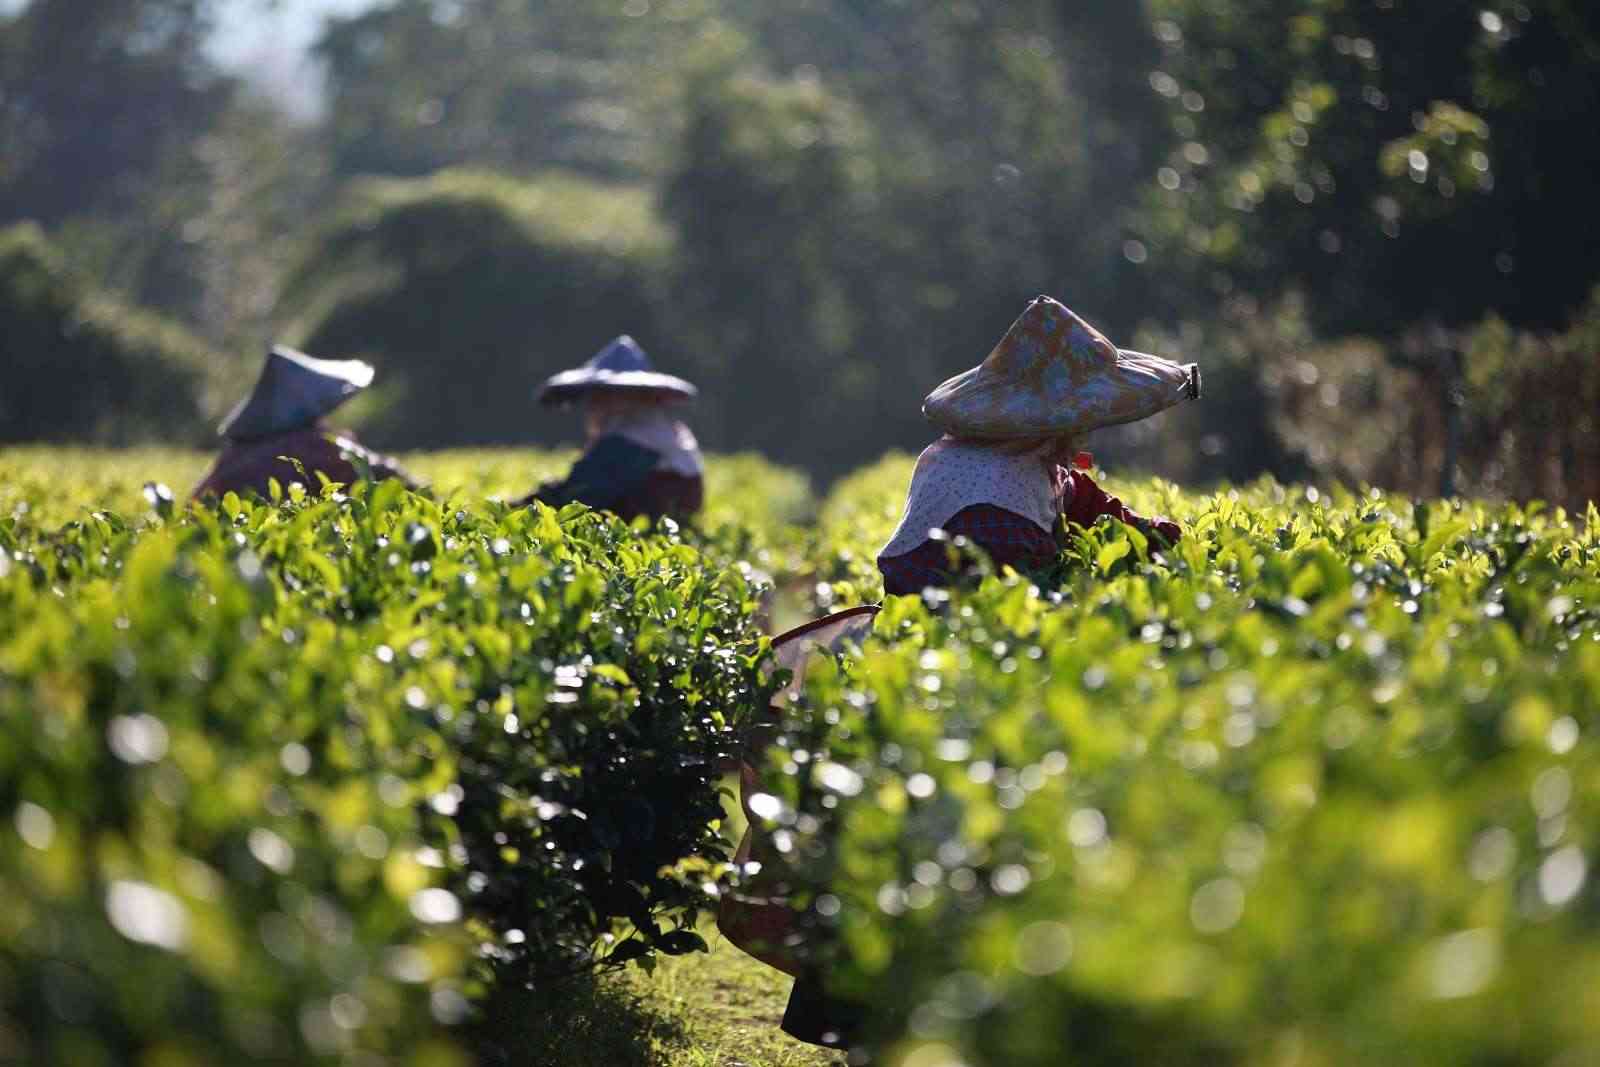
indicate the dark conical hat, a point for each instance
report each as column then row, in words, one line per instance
column 1053, row 374
column 622, row 364
column 294, row 390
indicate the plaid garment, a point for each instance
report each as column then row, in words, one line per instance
column 1009, row 539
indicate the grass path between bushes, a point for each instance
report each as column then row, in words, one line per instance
column 716, row 1010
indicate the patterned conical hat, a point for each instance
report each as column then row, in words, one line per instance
column 294, row 390
column 1054, row 374
column 622, row 364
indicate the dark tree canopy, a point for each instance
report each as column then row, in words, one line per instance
column 94, row 97
column 1400, row 160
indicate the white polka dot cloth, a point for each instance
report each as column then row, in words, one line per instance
column 953, row 474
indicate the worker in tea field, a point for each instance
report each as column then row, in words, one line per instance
column 639, row 456
column 279, row 424
column 1008, row 475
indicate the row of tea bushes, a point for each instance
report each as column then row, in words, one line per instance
column 1321, row 785
column 290, row 782
column 856, row 518
column 48, row 486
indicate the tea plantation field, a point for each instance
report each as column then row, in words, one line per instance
column 363, row 776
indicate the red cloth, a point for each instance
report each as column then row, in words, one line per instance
column 247, row 466
column 1089, row 502
column 1009, row 539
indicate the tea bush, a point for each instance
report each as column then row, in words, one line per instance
column 48, row 486
column 854, row 521
column 1320, row 785
column 213, row 792
column 292, row 780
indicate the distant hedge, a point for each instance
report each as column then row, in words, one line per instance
column 82, row 366
column 468, row 289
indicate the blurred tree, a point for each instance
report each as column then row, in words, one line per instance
column 879, row 214
column 517, row 85
column 468, row 289
column 777, row 280
column 82, row 366
column 95, row 95
column 1400, row 160
column 1015, row 132
column 210, row 239
column 154, row 174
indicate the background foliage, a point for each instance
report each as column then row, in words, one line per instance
column 820, row 210
column 84, row 365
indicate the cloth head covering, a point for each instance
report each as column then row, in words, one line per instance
column 622, row 364
column 294, row 390
column 952, row 474
column 658, row 431
column 1054, row 374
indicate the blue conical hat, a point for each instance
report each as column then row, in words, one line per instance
column 1052, row 374
column 622, row 364
column 294, row 390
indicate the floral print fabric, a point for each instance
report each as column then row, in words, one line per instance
column 1054, row 374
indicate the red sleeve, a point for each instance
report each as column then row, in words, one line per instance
column 1089, row 502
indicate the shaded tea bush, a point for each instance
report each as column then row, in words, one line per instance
column 604, row 676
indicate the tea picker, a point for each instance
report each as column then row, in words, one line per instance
column 639, row 457
column 1007, row 476
column 280, row 423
